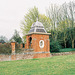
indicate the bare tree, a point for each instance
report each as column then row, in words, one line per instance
column 53, row 14
column 71, row 7
column 64, row 20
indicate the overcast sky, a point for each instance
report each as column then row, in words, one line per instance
column 12, row 13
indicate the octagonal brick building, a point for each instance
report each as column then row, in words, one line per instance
column 38, row 40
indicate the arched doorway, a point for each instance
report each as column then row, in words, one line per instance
column 30, row 42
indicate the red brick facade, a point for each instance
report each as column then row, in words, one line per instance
column 39, row 52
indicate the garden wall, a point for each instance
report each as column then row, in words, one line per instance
column 28, row 55
column 62, row 53
column 15, row 57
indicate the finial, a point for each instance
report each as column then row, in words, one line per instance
column 37, row 19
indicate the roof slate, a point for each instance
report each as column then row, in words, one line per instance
column 37, row 27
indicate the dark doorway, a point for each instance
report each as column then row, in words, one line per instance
column 30, row 42
column 23, row 45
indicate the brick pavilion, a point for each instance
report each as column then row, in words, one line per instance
column 38, row 40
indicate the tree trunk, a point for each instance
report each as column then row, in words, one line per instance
column 72, row 43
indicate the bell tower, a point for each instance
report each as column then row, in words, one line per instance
column 38, row 39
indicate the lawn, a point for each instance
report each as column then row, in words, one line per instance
column 57, row 65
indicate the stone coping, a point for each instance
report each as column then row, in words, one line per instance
column 39, row 33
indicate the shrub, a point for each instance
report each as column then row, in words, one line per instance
column 5, row 48
column 17, row 48
column 55, row 46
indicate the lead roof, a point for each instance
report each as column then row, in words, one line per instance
column 37, row 27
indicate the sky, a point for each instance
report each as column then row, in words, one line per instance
column 12, row 13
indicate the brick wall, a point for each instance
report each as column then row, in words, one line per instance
column 35, row 42
column 15, row 57
column 5, row 57
column 28, row 55
column 62, row 53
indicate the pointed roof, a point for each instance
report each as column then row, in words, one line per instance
column 37, row 27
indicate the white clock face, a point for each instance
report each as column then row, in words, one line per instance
column 41, row 43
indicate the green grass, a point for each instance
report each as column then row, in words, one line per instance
column 67, row 50
column 57, row 65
